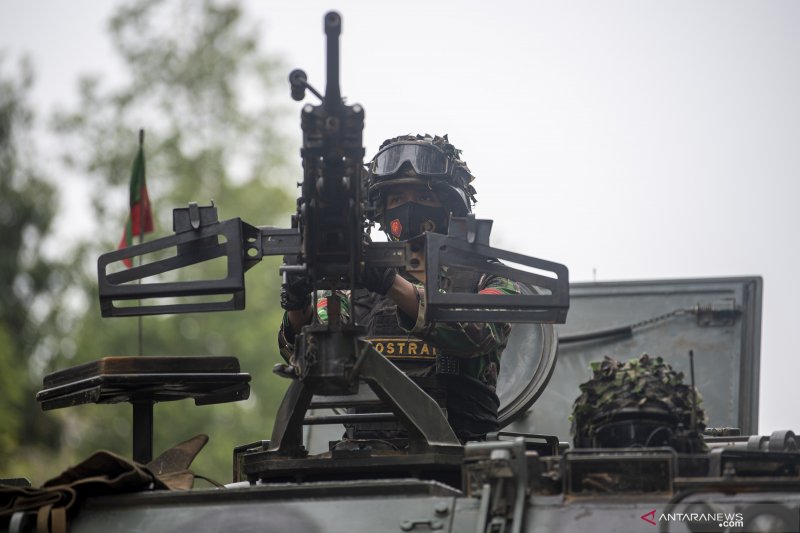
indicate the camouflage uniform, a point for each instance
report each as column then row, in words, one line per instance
column 457, row 364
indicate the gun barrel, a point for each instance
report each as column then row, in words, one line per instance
column 333, row 28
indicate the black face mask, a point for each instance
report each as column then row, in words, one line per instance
column 412, row 219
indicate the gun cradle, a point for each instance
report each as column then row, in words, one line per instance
column 241, row 246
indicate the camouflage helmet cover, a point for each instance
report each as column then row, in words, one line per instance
column 453, row 188
column 647, row 384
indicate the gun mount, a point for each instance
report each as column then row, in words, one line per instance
column 328, row 243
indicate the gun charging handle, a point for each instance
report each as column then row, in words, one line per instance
column 299, row 82
column 286, row 270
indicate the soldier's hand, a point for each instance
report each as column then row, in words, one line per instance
column 379, row 280
column 296, row 293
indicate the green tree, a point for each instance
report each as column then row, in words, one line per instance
column 30, row 281
column 203, row 91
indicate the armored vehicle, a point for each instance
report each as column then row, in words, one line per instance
column 527, row 477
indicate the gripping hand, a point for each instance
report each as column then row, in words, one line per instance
column 296, row 291
column 379, row 280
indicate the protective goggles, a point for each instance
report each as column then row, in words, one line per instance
column 425, row 159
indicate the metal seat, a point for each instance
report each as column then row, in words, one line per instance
column 143, row 381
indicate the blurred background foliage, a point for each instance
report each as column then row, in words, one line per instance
column 209, row 100
column 31, row 286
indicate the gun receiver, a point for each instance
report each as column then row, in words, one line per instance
column 331, row 209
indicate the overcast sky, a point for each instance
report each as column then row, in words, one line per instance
column 627, row 140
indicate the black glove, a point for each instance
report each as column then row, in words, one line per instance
column 379, row 280
column 296, row 293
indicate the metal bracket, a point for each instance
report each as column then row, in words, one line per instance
column 338, row 360
column 431, row 523
column 717, row 314
column 455, row 251
column 194, row 215
column 199, row 237
column 497, row 473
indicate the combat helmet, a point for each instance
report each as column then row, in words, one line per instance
column 422, row 159
column 640, row 403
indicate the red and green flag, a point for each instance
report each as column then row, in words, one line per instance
column 140, row 217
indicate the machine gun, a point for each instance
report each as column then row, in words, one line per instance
column 328, row 244
column 331, row 211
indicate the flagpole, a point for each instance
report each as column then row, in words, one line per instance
column 141, row 235
column 142, row 409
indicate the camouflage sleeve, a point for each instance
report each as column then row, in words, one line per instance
column 464, row 339
column 322, row 305
column 286, row 334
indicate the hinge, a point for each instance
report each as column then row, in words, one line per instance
column 717, row 314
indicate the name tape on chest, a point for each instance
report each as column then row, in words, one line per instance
column 395, row 348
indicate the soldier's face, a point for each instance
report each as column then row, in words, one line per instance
column 419, row 194
column 412, row 209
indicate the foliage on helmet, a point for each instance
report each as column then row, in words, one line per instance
column 646, row 384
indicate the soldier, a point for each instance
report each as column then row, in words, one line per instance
column 416, row 183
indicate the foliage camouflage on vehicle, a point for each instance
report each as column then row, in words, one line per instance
column 646, row 385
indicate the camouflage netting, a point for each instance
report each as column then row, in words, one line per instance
column 646, row 386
